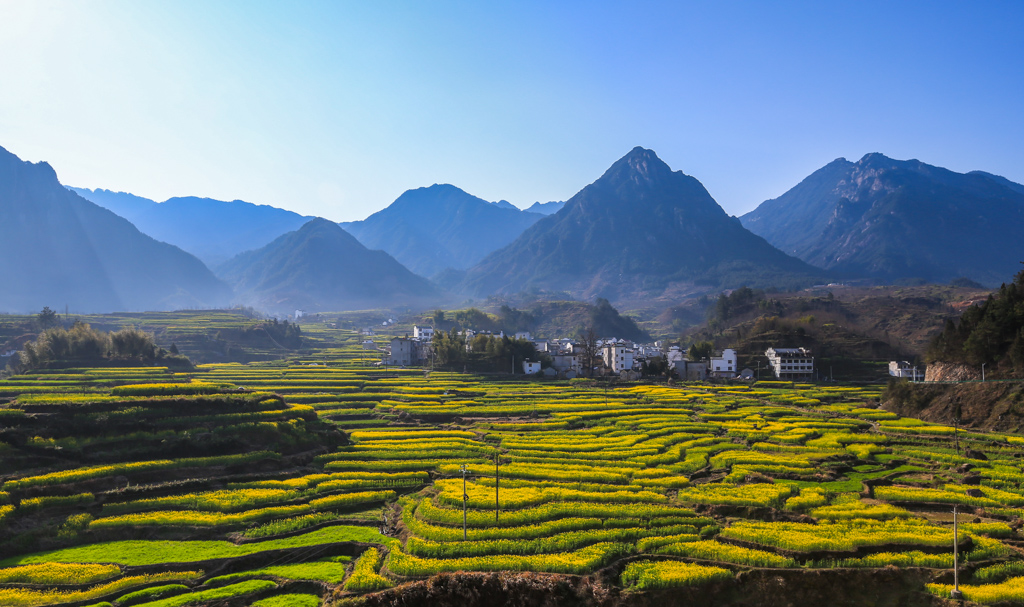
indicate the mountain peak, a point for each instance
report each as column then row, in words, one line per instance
column 39, row 170
column 640, row 166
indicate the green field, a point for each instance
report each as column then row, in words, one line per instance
column 289, row 468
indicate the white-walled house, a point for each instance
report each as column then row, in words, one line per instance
column 531, row 367
column 676, row 358
column 790, row 363
column 902, row 368
column 724, row 365
column 617, row 357
column 523, row 335
column 423, row 333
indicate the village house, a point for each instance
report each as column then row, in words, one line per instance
column 617, row 356
column 903, row 368
column 422, row 333
column 566, row 364
column 402, row 352
column 724, row 366
column 790, row 363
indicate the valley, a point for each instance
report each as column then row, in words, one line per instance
column 320, row 478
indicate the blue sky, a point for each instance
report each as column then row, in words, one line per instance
column 336, row 108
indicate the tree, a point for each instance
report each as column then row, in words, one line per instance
column 588, row 357
column 47, row 318
column 130, row 342
column 174, row 349
column 700, row 350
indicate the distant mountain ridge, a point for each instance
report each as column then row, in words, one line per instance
column 896, row 220
column 321, row 267
column 212, row 230
column 64, row 250
column 640, row 227
column 441, row 226
column 546, row 208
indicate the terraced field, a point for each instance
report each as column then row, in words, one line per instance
column 319, row 480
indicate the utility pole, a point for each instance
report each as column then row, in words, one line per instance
column 465, row 501
column 956, row 434
column 955, row 593
column 983, row 371
column 497, row 504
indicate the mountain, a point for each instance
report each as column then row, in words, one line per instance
column 212, row 230
column 64, row 250
column 321, row 267
column 546, row 208
column 430, row 229
column 641, row 227
column 1013, row 185
column 895, row 220
column 504, row 204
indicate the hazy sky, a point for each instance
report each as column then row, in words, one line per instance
column 336, row 108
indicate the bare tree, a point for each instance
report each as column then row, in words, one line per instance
column 590, row 353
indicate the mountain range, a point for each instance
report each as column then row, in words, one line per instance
column 62, row 250
column 897, row 220
column 438, row 227
column 640, row 228
column 321, row 267
column 640, row 231
column 212, row 230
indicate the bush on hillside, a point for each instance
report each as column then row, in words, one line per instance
column 84, row 346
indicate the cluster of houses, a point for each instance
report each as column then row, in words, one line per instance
column 613, row 357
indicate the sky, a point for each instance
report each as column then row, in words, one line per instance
column 336, row 108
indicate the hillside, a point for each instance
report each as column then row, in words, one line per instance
column 640, row 227
column 212, row 230
column 321, row 267
column 855, row 330
column 896, row 220
column 990, row 333
column 543, row 319
column 64, row 250
column 430, row 229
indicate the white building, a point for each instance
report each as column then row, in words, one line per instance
column 531, row 367
column 298, row 314
column 724, row 365
column 790, row 363
column 676, row 358
column 523, row 335
column 369, row 345
column 904, row 369
column 422, row 333
column 617, row 357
